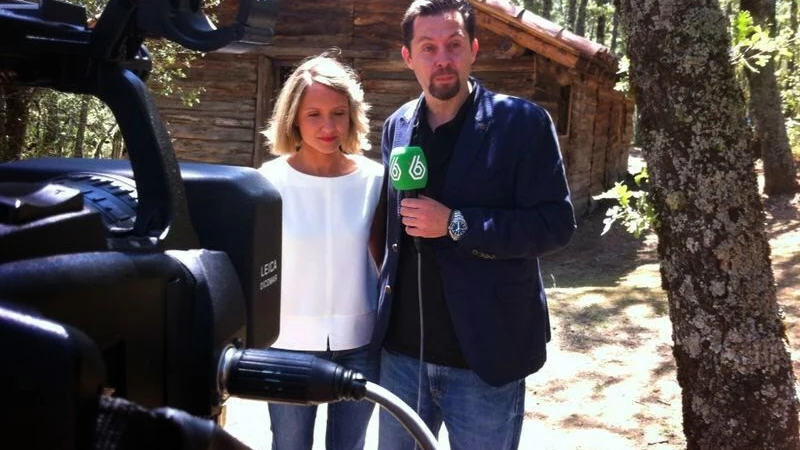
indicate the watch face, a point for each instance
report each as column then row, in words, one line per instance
column 458, row 226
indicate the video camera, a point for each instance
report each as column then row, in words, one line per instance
column 163, row 265
column 140, row 284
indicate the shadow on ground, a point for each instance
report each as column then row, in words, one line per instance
column 604, row 258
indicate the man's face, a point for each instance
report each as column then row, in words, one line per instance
column 441, row 55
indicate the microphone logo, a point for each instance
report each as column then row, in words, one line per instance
column 395, row 172
column 408, row 168
column 417, row 170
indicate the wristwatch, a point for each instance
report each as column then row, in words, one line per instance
column 457, row 226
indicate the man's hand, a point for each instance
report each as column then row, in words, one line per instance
column 424, row 217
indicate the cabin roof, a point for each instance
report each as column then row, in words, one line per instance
column 545, row 37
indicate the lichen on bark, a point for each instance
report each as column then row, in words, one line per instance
column 730, row 349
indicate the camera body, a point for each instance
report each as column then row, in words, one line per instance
column 162, row 265
column 161, row 317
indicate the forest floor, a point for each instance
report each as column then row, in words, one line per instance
column 609, row 382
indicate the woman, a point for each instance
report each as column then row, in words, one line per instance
column 332, row 239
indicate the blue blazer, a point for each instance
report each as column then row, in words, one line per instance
column 506, row 175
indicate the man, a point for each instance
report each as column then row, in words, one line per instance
column 496, row 200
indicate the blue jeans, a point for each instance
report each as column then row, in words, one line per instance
column 293, row 426
column 477, row 415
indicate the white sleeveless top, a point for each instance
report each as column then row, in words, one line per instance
column 329, row 282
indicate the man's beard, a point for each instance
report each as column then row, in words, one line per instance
column 448, row 91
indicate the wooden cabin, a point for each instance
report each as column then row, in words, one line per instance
column 520, row 54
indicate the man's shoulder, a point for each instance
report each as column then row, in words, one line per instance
column 507, row 102
column 406, row 110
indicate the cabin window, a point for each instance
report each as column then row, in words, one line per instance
column 556, row 99
column 282, row 72
column 564, row 106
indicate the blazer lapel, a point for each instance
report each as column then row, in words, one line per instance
column 402, row 136
column 402, row 132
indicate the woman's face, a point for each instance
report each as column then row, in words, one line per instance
column 323, row 118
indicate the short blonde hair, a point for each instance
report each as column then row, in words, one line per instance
column 283, row 135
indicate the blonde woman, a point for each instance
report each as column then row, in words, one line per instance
column 332, row 240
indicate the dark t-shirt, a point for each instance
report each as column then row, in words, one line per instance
column 441, row 344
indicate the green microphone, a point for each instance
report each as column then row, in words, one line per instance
column 408, row 170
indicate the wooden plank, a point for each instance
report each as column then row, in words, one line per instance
column 384, row 67
column 232, row 89
column 342, row 40
column 209, row 121
column 196, row 150
column 204, row 146
column 519, row 66
column 263, row 105
column 207, row 116
column 380, row 86
column 301, row 51
column 239, row 72
column 208, row 106
column 560, row 54
column 198, row 131
column 231, row 160
column 322, row 18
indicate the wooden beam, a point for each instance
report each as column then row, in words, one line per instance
column 509, row 49
column 505, row 27
column 263, row 103
column 300, row 51
column 545, row 37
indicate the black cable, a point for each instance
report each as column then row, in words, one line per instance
column 303, row 379
column 418, row 245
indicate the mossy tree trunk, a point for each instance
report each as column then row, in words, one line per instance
column 738, row 388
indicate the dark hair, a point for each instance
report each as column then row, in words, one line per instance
column 424, row 8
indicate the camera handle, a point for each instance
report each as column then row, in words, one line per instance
column 302, row 379
column 49, row 45
column 162, row 217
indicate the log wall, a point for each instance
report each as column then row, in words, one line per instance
column 594, row 121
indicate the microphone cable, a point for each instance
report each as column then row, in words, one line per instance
column 418, row 245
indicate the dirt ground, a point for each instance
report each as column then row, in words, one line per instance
column 609, row 382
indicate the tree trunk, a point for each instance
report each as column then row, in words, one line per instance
column 15, row 102
column 547, row 9
column 117, row 145
column 601, row 24
column 765, row 105
column 614, row 30
column 734, row 369
column 793, row 26
column 580, row 22
column 791, row 60
column 80, row 134
column 50, row 143
column 770, row 130
column 530, row 5
column 572, row 8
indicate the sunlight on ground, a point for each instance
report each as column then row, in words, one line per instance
column 609, row 382
column 645, row 276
